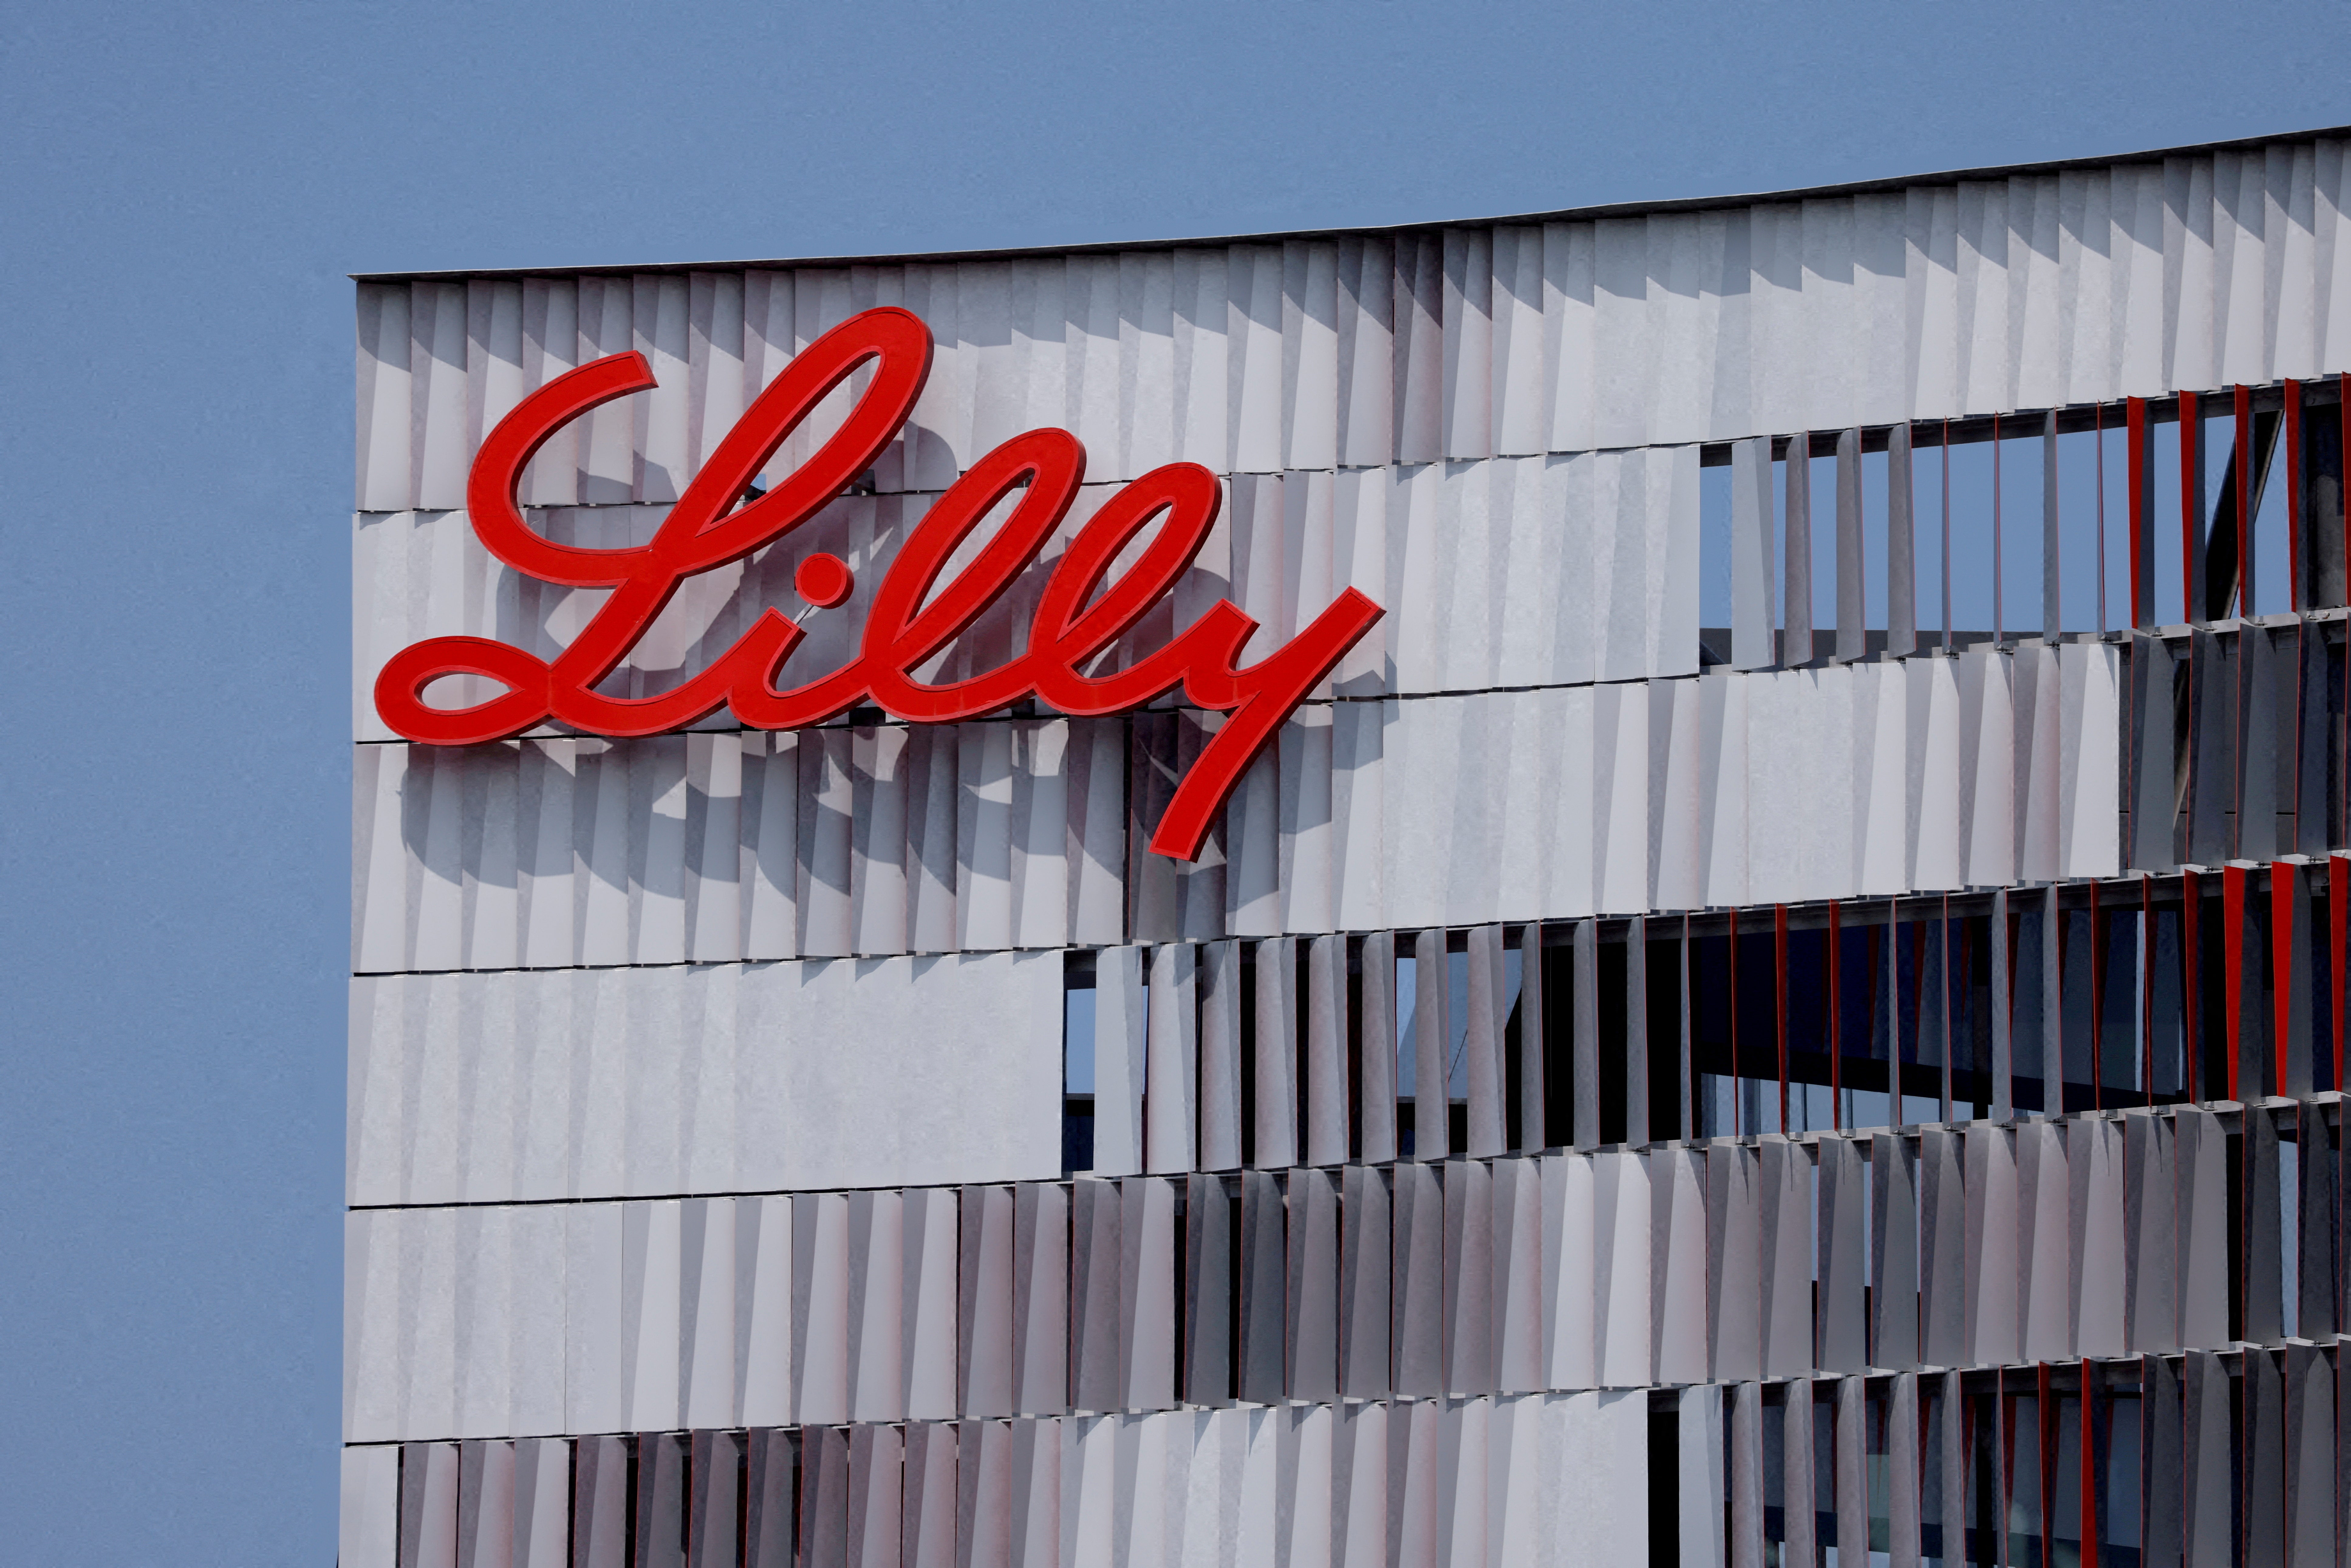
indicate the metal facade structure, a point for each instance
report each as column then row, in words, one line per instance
column 1615, row 1089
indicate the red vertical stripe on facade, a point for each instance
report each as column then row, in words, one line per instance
column 2233, row 960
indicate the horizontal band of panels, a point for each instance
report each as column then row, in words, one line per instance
column 2198, row 1457
column 1731, row 788
column 729, row 1078
column 1982, row 1244
column 1939, row 301
column 1560, row 1479
column 1512, row 572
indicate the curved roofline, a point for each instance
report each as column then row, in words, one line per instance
column 1605, row 210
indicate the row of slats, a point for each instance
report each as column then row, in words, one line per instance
column 1866, row 779
column 2237, row 745
column 1990, row 1244
column 729, row 1078
column 2243, row 1452
column 1513, row 1481
column 1510, row 572
column 1936, row 301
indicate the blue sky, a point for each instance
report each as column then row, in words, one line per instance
column 184, row 189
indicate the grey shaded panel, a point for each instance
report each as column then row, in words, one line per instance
column 1519, row 1275
column 984, row 1302
column 2201, row 1153
column 1901, row 546
column 1121, row 1035
column 1417, row 1305
column 1147, row 1271
column 1376, row 1036
column 926, row 1531
column 983, row 1488
column 1170, row 1062
column 1328, row 1126
column 1904, row 1466
column 1040, row 1299
column 1208, row 1292
column 1785, row 1258
column 2151, row 784
column 2261, row 1439
column 2264, row 1306
column 2208, row 1523
column 1637, row 1032
column 1097, row 1262
column 1469, row 1305
column 1264, row 1291
column 1800, row 1485
column 1220, row 1056
column 485, row 1504
column 714, row 1517
column 1482, row 1041
column 1312, row 1349
column 2051, row 599
column 1747, row 1494
column 428, row 1505
column 1754, row 609
column 1734, row 1250
column 1893, row 1254
column 1432, row 1048
column 1852, row 616
column 876, row 1495
column 2162, row 1442
column 599, row 1502
column 2003, row 1060
column 1852, row 1480
column 1363, row 1283
column 1531, row 1131
column 824, row 1497
column 1943, row 1220
column 661, row 1499
column 1703, row 1487
column 2317, row 1222
column 1796, row 560
column 543, row 1517
column 1843, row 1329
column 2150, row 1296
column 1274, row 1055
column 2309, row 1457
column 1586, row 1104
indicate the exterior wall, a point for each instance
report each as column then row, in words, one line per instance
column 1479, row 1161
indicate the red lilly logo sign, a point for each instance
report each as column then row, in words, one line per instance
column 912, row 616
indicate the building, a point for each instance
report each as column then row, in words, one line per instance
column 1788, row 990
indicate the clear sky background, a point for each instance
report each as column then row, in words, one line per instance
column 183, row 188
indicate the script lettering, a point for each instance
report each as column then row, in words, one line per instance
column 913, row 615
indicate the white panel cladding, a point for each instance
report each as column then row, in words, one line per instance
column 1559, row 1478
column 1939, row 301
column 731, row 1077
column 1508, row 573
column 1729, row 788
